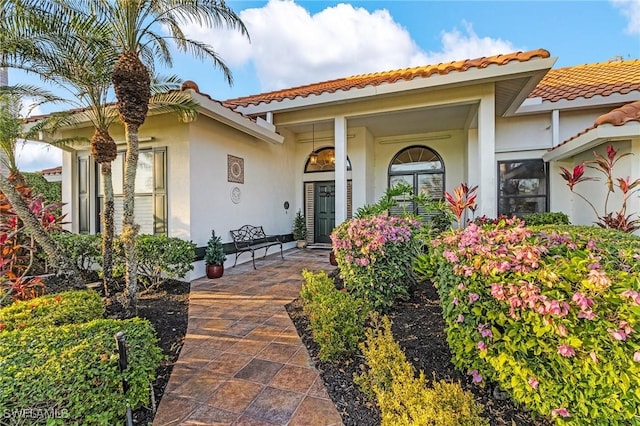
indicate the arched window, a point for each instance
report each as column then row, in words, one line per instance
column 325, row 161
column 421, row 168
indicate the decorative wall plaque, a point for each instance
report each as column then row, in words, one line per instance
column 235, row 195
column 235, row 169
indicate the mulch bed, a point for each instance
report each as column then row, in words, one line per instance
column 418, row 327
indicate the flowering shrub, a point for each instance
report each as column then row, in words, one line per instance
column 619, row 219
column 550, row 314
column 375, row 256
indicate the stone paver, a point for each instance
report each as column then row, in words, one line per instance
column 243, row 362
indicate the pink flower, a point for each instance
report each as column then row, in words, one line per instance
column 593, row 356
column 460, row 318
column 473, row 297
column 476, row 377
column 588, row 314
column 533, row 382
column 455, row 301
column 566, row 351
column 562, row 331
column 482, row 346
column 636, row 356
column 497, row 291
column 562, row 412
column 450, row 256
column 461, row 287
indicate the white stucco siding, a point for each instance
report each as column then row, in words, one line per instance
column 523, row 133
column 269, row 181
column 574, row 122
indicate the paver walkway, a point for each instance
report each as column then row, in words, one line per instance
column 243, row 362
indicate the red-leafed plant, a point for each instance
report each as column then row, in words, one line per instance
column 618, row 219
column 463, row 198
column 18, row 248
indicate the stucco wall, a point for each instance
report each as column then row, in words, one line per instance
column 268, row 182
column 523, row 133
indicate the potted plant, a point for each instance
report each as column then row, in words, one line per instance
column 214, row 256
column 300, row 230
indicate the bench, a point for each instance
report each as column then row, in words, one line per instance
column 251, row 238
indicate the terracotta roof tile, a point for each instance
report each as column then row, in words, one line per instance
column 587, row 81
column 615, row 117
column 376, row 79
column 52, row 171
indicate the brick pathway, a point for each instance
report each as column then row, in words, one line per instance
column 242, row 362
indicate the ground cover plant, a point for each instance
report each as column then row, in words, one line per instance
column 548, row 313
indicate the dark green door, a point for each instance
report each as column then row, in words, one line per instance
column 325, row 210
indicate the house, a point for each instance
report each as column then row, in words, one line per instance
column 506, row 123
column 53, row 174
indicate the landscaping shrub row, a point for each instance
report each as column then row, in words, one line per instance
column 158, row 256
column 59, row 370
column 549, row 313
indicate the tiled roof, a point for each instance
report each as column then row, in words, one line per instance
column 586, row 81
column 52, row 171
column 616, row 117
column 376, row 79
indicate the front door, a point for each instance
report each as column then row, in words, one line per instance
column 325, row 210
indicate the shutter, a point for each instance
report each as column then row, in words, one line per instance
column 160, row 191
column 83, row 195
column 349, row 203
column 309, row 211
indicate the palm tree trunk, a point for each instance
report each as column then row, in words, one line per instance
column 107, row 227
column 54, row 253
column 129, row 227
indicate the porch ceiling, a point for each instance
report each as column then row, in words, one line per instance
column 404, row 122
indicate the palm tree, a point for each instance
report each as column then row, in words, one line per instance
column 11, row 131
column 79, row 58
column 137, row 27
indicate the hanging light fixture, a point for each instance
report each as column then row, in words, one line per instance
column 313, row 157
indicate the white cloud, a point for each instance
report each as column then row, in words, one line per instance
column 290, row 47
column 631, row 10
column 35, row 156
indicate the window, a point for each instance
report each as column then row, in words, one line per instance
column 421, row 168
column 150, row 208
column 325, row 161
column 522, row 187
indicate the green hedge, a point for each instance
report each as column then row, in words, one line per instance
column 82, row 249
column 74, row 370
column 52, row 310
column 547, row 218
column 337, row 318
column 552, row 314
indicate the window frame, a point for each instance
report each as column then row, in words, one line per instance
column 499, row 197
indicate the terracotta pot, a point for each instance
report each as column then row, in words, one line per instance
column 301, row 244
column 332, row 258
column 215, row 271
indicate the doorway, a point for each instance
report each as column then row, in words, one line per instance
column 325, row 210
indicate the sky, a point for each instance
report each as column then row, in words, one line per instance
column 300, row 42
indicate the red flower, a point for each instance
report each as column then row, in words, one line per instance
column 3, row 326
column 611, row 153
column 574, row 177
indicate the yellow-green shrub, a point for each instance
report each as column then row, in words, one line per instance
column 52, row 310
column 405, row 399
column 337, row 318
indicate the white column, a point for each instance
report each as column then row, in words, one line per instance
column 340, row 129
column 487, row 155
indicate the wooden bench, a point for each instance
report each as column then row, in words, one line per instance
column 251, row 238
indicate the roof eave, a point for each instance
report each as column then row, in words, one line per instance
column 536, row 67
column 536, row 105
column 235, row 120
column 593, row 138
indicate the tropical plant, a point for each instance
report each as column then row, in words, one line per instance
column 463, row 198
column 214, row 253
column 613, row 219
column 137, row 30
